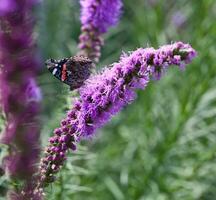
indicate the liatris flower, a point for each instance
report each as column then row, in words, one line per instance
column 96, row 17
column 106, row 94
column 20, row 95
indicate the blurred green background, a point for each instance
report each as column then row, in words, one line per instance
column 163, row 146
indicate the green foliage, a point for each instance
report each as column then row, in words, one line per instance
column 163, row 145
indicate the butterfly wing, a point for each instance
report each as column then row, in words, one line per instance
column 71, row 71
column 56, row 66
column 78, row 70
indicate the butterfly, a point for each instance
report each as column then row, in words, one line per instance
column 72, row 71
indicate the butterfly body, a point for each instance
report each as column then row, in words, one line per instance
column 71, row 71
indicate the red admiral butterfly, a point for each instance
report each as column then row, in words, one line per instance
column 71, row 71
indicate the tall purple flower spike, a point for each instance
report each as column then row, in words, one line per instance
column 97, row 16
column 106, row 94
column 20, row 95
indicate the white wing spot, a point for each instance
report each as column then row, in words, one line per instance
column 54, row 71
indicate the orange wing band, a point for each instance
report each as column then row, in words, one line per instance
column 64, row 73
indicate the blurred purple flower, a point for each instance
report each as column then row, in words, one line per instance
column 33, row 92
column 152, row 2
column 101, row 14
column 20, row 95
column 97, row 16
column 7, row 6
column 178, row 19
column 106, row 94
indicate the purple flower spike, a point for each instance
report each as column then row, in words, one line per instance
column 101, row 14
column 20, row 95
column 106, row 94
column 97, row 16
